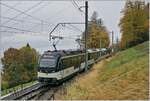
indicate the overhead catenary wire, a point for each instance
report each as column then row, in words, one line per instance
column 15, row 5
column 6, row 31
column 41, row 24
column 76, row 28
column 36, row 10
column 77, row 8
column 22, row 21
column 19, row 20
column 24, row 30
column 69, row 38
column 18, row 29
column 71, row 28
column 19, row 32
column 63, row 24
column 19, row 10
column 23, row 12
column 75, row 3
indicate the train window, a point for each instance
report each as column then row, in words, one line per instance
column 83, row 58
column 67, row 62
column 70, row 61
column 64, row 63
column 79, row 59
column 74, row 60
column 47, row 62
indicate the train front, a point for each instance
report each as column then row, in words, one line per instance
column 48, row 68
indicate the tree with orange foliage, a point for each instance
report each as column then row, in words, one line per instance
column 134, row 24
column 97, row 33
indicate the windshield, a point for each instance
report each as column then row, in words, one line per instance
column 47, row 62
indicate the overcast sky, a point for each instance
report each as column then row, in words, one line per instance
column 41, row 17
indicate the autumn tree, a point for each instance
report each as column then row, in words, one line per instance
column 134, row 24
column 97, row 31
column 19, row 66
column 29, row 59
column 11, row 62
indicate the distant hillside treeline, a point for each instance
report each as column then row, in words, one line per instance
column 19, row 66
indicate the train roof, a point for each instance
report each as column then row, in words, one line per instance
column 63, row 52
column 70, row 52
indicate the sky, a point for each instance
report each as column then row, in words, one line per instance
column 31, row 21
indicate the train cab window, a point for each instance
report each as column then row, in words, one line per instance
column 47, row 62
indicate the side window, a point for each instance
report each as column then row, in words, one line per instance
column 74, row 60
column 80, row 59
column 83, row 58
column 64, row 63
column 70, row 61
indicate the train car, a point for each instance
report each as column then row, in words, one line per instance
column 57, row 66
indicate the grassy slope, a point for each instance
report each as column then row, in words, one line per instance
column 124, row 76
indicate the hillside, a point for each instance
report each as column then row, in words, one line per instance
column 123, row 76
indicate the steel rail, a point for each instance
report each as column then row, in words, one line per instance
column 23, row 92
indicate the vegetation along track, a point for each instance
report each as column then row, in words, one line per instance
column 24, row 94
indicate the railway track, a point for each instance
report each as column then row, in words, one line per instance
column 25, row 93
column 39, row 91
column 52, row 92
column 36, row 92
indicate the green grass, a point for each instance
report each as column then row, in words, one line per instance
column 121, row 62
column 125, row 76
column 129, row 55
column 16, row 88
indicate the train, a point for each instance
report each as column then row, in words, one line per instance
column 57, row 66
